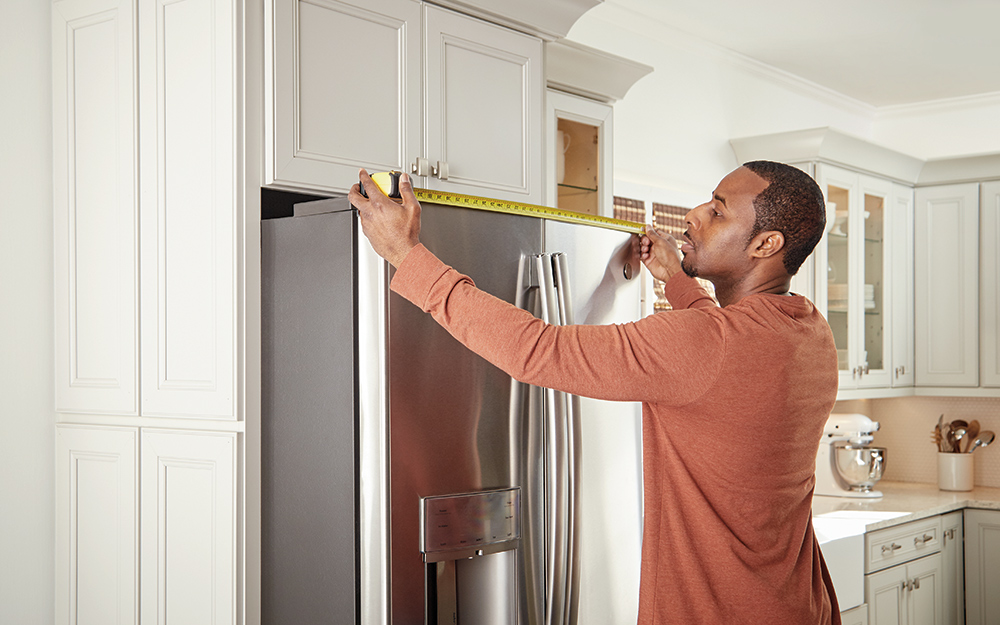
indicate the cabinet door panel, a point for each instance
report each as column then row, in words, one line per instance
column 187, row 175
column 946, row 285
column 952, row 569
column 982, row 566
column 484, row 99
column 188, row 528
column 96, row 304
column 874, row 288
column 885, row 596
column 902, row 285
column 346, row 91
column 990, row 284
column 96, row 525
column 925, row 600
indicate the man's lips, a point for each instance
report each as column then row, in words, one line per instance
column 686, row 244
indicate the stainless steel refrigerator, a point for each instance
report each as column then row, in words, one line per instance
column 405, row 480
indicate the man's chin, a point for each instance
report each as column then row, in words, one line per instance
column 690, row 271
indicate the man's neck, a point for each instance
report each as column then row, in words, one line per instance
column 728, row 294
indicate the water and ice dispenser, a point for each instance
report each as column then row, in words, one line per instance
column 469, row 544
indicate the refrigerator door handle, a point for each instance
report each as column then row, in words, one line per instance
column 555, row 458
column 572, row 455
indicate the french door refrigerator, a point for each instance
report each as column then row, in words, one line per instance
column 405, row 480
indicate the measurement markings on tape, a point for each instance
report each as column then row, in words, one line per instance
column 531, row 210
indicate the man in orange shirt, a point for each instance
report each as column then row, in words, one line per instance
column 734, row 397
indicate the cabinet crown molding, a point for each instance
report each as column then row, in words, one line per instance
column 549, row 19
column 830, row 146
column 978, row 168
column 581, row 70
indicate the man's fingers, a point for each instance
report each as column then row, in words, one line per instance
column 366, row 181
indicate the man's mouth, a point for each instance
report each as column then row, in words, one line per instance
column 686, row 244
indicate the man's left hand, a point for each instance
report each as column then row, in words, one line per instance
column 392, row 228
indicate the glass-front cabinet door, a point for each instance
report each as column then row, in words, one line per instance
column 857, row 288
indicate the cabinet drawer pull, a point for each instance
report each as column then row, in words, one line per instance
column 890, row 548
column 922, row 540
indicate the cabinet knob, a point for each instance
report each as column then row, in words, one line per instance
column 440, row 170
column 920, row 540
column 421, row 167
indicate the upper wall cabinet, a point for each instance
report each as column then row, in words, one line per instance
column 946, row 287
column 958, row 276
column 395, row 84
column 989, row 280
column 583, row 85
column 858, row 278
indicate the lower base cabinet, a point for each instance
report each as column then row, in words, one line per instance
column 907, row 594
column 97, row 525
column 953, row 569
column 982, row 567
column 188, row 527
column 183, row 532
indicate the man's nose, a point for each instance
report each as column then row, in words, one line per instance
column 691, row 219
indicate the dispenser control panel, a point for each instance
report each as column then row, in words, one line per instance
column 463, row 526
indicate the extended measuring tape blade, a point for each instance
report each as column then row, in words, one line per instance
column 531, row 210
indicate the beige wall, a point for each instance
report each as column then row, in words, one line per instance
column 26, row 404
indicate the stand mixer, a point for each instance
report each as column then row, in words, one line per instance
column 845, row 465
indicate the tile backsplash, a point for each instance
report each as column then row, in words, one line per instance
column 906, row 426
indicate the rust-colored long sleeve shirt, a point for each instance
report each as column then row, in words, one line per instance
column 734, row 401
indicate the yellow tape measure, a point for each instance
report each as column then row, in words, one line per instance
column 388, row 183
column 531, row 210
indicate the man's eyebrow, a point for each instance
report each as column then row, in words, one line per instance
column 720, row 199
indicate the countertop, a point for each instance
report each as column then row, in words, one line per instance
column 917, row 500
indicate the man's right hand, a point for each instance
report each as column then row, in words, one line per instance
column 392, row 228
column 659, row 252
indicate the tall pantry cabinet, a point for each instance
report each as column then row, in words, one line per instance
column 148, row 191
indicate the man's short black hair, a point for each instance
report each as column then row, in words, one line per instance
column 793, row 205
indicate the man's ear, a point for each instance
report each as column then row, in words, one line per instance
column 767, row 244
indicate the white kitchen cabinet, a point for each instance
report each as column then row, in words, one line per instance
column 145, row 190
column 580, row 149
column 946, row 286
column 97, row 516
column 901, row 223
column 188, row 207
column 907, row 594
column 858, row 250
column 150, row 184
column 953, row 569
column 344, row 86
column 989, row 290
column 94, row 207
column 188, row 528
column 982, row 566
column 468, row 119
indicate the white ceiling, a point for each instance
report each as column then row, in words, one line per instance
column 880, row 52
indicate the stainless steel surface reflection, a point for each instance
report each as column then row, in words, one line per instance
column 860, row 467
column 449, row 408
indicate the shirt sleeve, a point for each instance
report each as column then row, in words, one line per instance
column 670, row 357
column 685, row 292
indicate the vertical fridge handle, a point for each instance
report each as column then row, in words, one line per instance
column 555, row 458
column 572, row 455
